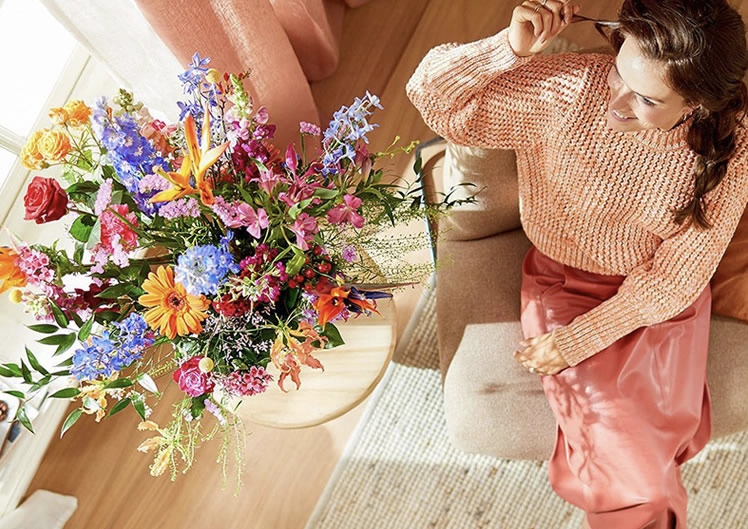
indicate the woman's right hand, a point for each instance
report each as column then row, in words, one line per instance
column 535, row 23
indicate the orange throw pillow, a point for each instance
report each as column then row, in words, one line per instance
column 730, row 282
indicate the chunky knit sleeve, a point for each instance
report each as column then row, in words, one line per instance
column 483, row 95
column 665, row 285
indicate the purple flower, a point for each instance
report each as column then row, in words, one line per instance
column 309, row 129
column 184, row 207
column 349, row 253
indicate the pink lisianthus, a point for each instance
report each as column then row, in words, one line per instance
column 305, row 227
column 347, row 212
column 192, row 380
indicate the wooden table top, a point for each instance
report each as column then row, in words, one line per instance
column 351, row 372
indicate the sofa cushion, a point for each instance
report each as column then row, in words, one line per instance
column 493, row 175
column 730, row 282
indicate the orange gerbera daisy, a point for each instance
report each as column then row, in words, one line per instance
column 173, row 311
column 10, row 274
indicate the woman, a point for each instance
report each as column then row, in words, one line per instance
column 633, row 175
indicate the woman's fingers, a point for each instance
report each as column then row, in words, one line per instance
column 535, row 23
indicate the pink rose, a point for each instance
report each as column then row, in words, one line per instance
column 192, row 380
column 45, row 200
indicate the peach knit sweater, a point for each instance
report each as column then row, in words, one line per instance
column 590, row 197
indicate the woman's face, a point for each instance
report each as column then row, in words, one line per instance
column 639, row 96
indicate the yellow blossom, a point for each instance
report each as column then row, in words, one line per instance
column 206, row 364
column 53, row 145
column 161, row 463
column 31, row 158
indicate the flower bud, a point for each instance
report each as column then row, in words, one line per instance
column 206, row 364
column 212, row 76
column 16, row 296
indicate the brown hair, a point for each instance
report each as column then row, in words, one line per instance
column 702, row 44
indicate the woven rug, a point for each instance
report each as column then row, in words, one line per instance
column 400, row 472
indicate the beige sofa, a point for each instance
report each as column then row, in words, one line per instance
column 493, row 406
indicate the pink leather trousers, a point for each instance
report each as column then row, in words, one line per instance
column 629, row 416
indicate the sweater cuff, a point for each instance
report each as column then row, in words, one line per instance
column 597, row 329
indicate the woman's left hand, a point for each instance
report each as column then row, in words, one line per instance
column 541, row 355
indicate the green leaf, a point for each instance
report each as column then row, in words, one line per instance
column 324, row 193
column 119, row 383
column 296, row 262
column 14, row 369
column 139, row 406
column 333, row 335
column 60, row 318
column 85, row 331
column 115, row 291
column 65, row 363
column 65, row 345
column 40, row 383
column 198, row 405
column 18, row 394
column 26, row 373
column 71, row 420
column 44, row 328
column 121, row 405
column 57, row 339
column 83, row 227
column 78, row 254
column 67, row 393
column 77, row 319
column 5, row 372
column 23, row 418
column 35, row 363
column 299, row 207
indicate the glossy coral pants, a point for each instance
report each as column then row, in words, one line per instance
column 629, row 416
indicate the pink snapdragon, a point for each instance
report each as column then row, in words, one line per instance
column 347, row 212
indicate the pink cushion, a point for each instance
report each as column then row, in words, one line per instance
column 240, row 35
column 313, row 27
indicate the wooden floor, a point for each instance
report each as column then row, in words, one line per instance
column 286, row 471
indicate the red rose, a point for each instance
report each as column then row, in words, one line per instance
column 45, row 200
column 192, row 380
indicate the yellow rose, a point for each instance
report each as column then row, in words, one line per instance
column 53, row 145
column 78, row 113
column 58, row 115
column 31, row 158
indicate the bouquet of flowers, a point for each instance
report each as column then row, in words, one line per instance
column 198, row 250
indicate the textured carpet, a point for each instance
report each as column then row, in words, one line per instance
column 400, row 472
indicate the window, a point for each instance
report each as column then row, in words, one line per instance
column 41, row 62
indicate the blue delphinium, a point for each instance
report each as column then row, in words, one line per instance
column 349, row 124
column 194, row 84
column 133, row 338
column 114, row 350
column 131, row 155
column 203, row 269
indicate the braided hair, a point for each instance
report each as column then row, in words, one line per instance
column 702, row 45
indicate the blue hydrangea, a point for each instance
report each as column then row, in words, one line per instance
column 203, row 269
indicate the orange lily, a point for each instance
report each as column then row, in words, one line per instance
column 180, row 181
column 202, row 155
column 10, row 274
column 289, row 354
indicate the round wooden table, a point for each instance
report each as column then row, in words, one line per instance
column 351, row 372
